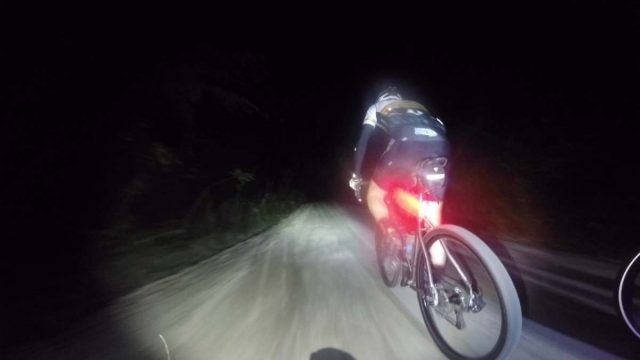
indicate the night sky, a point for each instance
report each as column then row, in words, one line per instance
column 541, row 103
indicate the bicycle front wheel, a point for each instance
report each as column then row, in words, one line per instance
column 629, row 295
column 488, row 327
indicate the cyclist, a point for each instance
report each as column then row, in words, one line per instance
column 413, row 133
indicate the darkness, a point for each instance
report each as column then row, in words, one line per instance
column 540, row 102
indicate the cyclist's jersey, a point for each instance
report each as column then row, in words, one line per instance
column 405, row 120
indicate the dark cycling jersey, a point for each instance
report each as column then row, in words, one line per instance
column 404, row 121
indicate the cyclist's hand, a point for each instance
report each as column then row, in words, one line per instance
column 355, row 183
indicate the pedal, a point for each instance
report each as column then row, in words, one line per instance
column 477, row 304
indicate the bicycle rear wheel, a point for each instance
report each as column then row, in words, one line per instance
column 629, row 295
column 489, row 331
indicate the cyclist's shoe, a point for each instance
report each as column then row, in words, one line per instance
column 390, row 233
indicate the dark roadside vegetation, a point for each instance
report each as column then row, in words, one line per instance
column 128, row 154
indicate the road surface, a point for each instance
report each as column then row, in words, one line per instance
column 307, row 288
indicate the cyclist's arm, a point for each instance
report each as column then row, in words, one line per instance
column 361, row 148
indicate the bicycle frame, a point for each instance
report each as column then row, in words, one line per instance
column 450, row 276
column 423, row 228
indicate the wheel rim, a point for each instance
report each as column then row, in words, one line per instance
column 629, row 295
column 485, row 331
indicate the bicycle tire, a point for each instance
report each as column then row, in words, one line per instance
column 509, row 303
column 626, row 289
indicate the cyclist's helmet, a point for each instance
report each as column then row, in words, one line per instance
column 390, row 93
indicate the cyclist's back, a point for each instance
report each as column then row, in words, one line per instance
column 414, row 134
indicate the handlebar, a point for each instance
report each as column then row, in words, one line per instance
column 358, row 191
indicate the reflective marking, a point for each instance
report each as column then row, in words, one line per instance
column 425, row 131
column 435, row 176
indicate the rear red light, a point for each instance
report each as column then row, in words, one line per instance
column 410, row 204
column 406, row 201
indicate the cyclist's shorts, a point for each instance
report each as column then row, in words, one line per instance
column 396, row 164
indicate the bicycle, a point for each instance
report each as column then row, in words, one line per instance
column 467, row 289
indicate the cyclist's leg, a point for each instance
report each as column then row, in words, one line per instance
column 438, row 256
column 375, row 202
column 378, row 187
column 378, row 208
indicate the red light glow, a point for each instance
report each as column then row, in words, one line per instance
column 408, row 202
